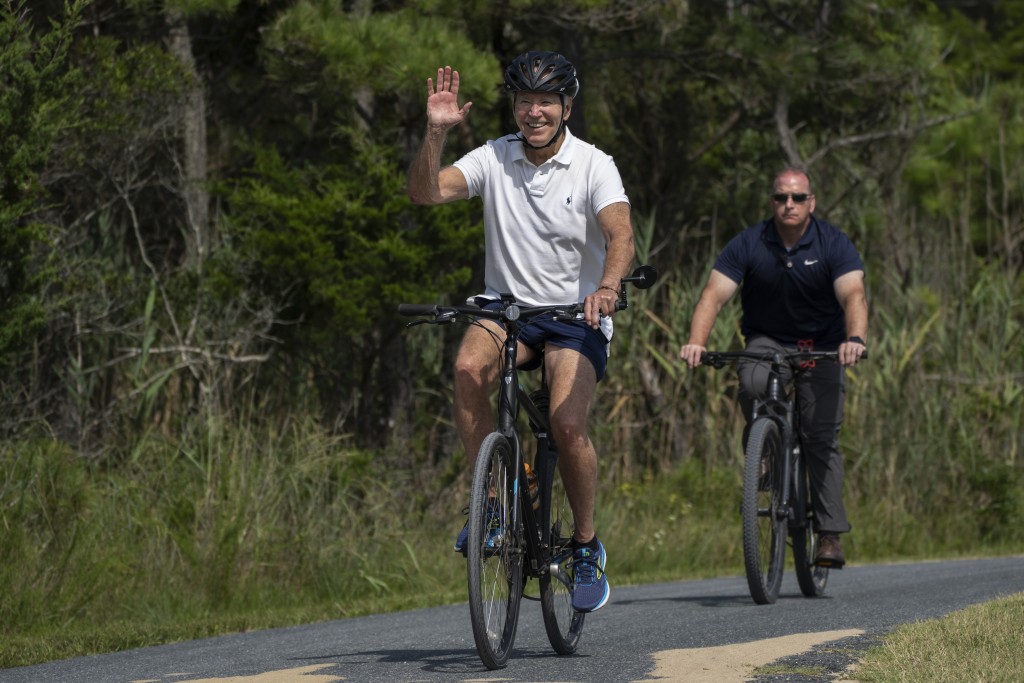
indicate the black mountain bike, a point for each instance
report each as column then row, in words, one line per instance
column 513, row 535
column 776, row 485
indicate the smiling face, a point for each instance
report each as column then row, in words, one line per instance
column 792, row 202
column 539, row 115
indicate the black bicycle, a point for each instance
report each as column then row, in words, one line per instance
column 515, row 536
column 776, row 484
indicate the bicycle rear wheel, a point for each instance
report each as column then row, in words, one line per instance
column 494, row 553
column 812, row 579
column 764, row 527
column 563, row 624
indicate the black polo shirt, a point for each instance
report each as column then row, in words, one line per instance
column 789, row 295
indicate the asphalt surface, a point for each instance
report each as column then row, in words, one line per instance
column 622, row 642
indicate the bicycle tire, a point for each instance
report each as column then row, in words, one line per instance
column 494, row 560
column 764, row 528
column 563, row 624
column 812, row 579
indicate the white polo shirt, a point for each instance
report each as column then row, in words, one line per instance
column 542, row 240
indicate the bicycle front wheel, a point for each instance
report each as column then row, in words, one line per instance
column 812, row 579
column 494, row 553
column 563, row 624
column 764, row 525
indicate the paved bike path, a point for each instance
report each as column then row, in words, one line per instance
column 679, row 631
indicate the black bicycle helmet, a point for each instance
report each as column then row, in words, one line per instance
column 541, row 71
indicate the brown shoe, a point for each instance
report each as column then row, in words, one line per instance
column 830, row 552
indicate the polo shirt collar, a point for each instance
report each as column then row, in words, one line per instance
column 771, row 233
column 563, row 157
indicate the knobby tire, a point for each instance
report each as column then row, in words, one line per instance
column 802, row 534
column 764, row 529
column 563, row 624
column 495, row 563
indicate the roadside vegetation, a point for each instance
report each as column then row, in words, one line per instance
column 213, row 420
column 981, row 643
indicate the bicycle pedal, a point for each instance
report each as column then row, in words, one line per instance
column 829, row 564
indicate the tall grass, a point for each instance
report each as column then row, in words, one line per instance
column 250, row 530
column 934, row 418
column 243, row 523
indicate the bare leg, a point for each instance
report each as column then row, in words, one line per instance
column 476, row 375
column 572, row 383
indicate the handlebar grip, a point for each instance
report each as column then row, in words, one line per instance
column 417, row 309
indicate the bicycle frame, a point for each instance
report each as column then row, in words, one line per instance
column 512, row 396
column 777, row 407
column 506, row 547
column 788, row 505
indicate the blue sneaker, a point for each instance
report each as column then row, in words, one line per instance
column 590, row 589
column 460, row 540
column 493, row 530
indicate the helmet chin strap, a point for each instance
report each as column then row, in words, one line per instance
column 553, row 140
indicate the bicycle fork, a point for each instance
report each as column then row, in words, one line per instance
column 770, row 408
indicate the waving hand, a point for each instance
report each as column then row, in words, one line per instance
column 443, row 104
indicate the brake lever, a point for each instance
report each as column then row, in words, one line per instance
column 565, row 315
column 713, row 359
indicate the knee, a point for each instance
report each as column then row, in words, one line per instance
column 822, row 440
column 471, row 376
column 568, row 430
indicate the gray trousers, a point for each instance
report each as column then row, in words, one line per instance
column 821, row 392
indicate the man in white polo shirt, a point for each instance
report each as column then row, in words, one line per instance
column 557, row 230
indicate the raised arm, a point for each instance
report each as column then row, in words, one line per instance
column 717, row 292
column 849, row 290
column 428, row 183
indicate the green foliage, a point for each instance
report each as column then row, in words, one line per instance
column 385, row 52
column 366, row 72
column 232, row 527
column 34, row 109
column 341, row 243
column 192, row 413
column 193, row 7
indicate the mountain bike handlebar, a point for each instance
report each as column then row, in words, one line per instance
column 718, row 359
column 510, row 311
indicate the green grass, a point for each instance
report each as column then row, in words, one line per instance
column 172, row 544
column 217, row 526
column 981, row 644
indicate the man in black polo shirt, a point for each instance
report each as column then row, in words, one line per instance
column 803, row 286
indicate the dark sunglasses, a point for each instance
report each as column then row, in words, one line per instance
column 798, row 197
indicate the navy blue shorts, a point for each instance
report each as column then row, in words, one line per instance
column 577, row 336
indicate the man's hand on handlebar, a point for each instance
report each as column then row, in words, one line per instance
column 850, row 351
column 600, row 303
column 691, row 354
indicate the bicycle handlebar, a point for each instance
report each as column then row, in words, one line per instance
column 718, row 359
column 642, row 278
column 508, row 312
column 417, row 309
